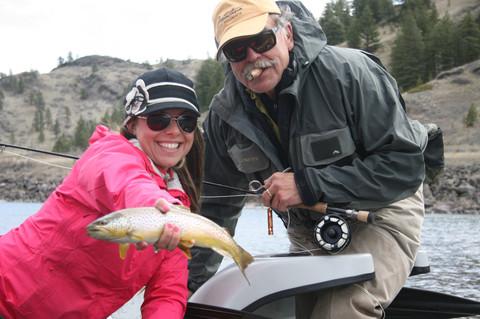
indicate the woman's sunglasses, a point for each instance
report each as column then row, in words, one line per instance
column 236, row 51
column 157, row 122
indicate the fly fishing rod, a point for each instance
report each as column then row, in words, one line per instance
column 332, row 232
column 4, row 145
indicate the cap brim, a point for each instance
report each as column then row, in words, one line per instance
column 243, row 29
column 170, row 105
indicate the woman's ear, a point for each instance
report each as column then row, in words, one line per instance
column 131, row 126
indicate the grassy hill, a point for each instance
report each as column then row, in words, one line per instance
column 91, row 86
column 87, row 87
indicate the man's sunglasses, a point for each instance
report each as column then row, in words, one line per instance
column 157, row 122
column 236, row 50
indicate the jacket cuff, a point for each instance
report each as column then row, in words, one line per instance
column 309, row 197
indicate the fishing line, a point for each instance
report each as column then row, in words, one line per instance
column 35, row 160
column 227, row 196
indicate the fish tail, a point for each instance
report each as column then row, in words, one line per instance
column 243, row 259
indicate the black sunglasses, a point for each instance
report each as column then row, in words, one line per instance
column 157, row 122
column 236, row 50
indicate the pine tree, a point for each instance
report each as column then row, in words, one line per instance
column 471, row 117
column 442, row 42
column 353, row 34
column 48, row 117
column 209, row 81
column 63, row 144
column 83, row 131
column 468, row 36
column 368, row 32
column 38, row 121
column 332, row 26
column 56, row 128
column 381, row 10
column 80, row 136
column 407, row 54
column 341, row 9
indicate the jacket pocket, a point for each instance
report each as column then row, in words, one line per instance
column 327, row 147
column 248, row 158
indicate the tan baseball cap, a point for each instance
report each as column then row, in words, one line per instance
column 239, row 18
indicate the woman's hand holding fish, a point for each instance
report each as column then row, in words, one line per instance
column 170, row 236
column 162, row 205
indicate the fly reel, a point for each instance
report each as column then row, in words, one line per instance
column 332, row 233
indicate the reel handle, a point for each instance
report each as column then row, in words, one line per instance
column 359, row 215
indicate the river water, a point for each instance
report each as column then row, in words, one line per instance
column 452, row 243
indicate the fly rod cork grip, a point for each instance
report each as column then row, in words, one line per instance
column 323, row 208
column 365, row 216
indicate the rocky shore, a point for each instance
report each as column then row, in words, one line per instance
column 456, row 190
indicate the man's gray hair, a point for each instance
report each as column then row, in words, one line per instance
column 285, row 16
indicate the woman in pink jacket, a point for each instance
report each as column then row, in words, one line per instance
column 50, row 268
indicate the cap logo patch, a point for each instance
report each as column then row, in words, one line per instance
column 137, row 99
column 229, row 15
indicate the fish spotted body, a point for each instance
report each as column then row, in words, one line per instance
column 134, row 225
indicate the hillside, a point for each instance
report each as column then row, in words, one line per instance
column 93, row 85
column 446, row 101
column 87, row 87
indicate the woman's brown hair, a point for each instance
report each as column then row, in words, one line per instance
column 191, row 173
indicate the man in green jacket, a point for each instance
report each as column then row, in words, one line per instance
column 314, row 123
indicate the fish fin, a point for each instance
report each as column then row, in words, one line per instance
column 244, row 259
column 241, row 257
column 123, row 249
column 189, row 243
column 185, row 248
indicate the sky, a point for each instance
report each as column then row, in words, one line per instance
column 34, row 34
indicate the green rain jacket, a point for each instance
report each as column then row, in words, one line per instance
column 347, row 137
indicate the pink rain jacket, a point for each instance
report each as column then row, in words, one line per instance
column 49, row 266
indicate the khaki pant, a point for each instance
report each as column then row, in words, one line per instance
column 392, row 241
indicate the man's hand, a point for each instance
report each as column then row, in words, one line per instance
column 170, row 236
column 281, row 192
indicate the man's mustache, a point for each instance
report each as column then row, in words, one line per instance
column 259, row 64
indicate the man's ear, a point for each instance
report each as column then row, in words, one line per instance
column 289, row 36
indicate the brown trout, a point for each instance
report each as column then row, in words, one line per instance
column 134, row 225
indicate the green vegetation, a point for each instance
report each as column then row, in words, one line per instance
column 83, row 131
column 407, row 54
column 209, row 81
column 356, row 23
column 63, row 144
column 471, row 117
column 83, row 94
column 36, row 98
column 421, row 88
column 425, row 44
